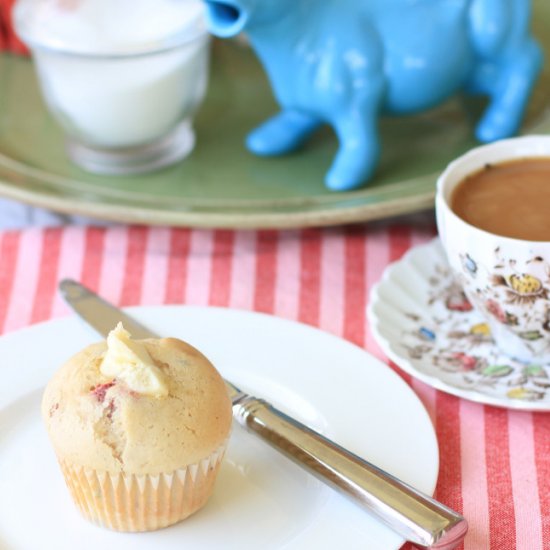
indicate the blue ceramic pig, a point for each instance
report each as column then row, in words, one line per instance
column 344, row 62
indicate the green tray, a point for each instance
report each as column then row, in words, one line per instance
column 220, row 184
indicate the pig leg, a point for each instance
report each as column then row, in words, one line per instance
column 509, row 91
column 282, row 133
column 509, row 61
column 357, row 132
column 358, row 154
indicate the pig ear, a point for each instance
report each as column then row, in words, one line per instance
column 225, row 18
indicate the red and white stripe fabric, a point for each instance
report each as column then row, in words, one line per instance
column 495, row 464
column 8, row 38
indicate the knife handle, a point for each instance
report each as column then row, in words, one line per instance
column 415, row 516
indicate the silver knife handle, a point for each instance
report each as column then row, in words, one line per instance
column 415, row 516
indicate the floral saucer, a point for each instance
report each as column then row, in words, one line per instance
column 423, row 321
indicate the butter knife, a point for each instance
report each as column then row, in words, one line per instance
column 417, row 517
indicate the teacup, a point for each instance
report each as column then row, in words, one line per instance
column 506, row 279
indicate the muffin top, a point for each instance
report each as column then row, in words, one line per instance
column 137, row 406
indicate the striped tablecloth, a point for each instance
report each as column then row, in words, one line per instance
column 495, row 464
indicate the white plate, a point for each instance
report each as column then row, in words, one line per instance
column 424, row 323
column 261, row 499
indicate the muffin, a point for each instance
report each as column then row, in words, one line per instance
column 139, row 428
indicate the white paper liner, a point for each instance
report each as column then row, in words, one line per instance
column 129, row 502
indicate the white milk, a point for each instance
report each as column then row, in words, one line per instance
column 117, row 73
column 106, row 26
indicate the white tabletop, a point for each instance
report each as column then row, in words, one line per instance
column 16, row 215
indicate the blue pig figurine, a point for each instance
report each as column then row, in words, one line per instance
column 344, row 62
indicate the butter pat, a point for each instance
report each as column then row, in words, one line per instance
column 129, row 361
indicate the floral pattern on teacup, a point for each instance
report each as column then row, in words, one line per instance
column 512, row 293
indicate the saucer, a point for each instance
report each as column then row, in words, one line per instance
column 422, row 320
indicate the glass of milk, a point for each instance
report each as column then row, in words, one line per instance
column 124, row 78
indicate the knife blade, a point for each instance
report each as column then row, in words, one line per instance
column 415, row 516
column 103, row 317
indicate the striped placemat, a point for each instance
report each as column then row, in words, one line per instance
column 495, row 464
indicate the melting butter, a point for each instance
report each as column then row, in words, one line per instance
column 129, row 361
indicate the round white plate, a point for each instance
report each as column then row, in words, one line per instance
column 424, row 323
column 261, row 499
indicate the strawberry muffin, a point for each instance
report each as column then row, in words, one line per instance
column 139, row 428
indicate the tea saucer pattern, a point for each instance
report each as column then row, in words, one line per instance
column 421, row 318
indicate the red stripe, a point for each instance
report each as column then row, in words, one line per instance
column 266, row 271
column 310, row 276
column 541, row 429
column 94, row 244
column 12, row 41
column 3, row 29
column 220, row 280
column 135, row 264
column 502, row 519
column 9, row 250
column 176, row 276
column 399, row 239
column 355, row 290
column 47, row 279
column 447, row 426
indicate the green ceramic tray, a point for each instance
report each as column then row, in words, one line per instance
column 221, row 184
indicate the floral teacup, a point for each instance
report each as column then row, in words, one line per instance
column 507, row 280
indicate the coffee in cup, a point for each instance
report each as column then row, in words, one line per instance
column 511, row 199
